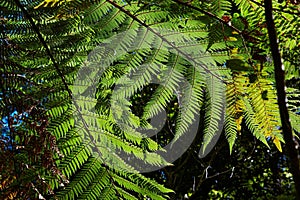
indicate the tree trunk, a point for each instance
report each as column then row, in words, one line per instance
column 290, row 147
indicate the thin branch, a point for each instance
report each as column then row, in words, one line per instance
column 220, row 173
column 281, row 98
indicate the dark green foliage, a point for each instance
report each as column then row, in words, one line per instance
column 50, row 57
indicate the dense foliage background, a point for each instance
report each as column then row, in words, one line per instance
column 221, row 48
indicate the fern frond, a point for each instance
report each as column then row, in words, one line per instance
column 264, row 102
column 295, row 121
column 92, row 121
column 231, row 131
column 220, row 7
column 252, row 124
column 215, row 114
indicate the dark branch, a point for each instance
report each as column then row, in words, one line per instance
column 282, row 99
